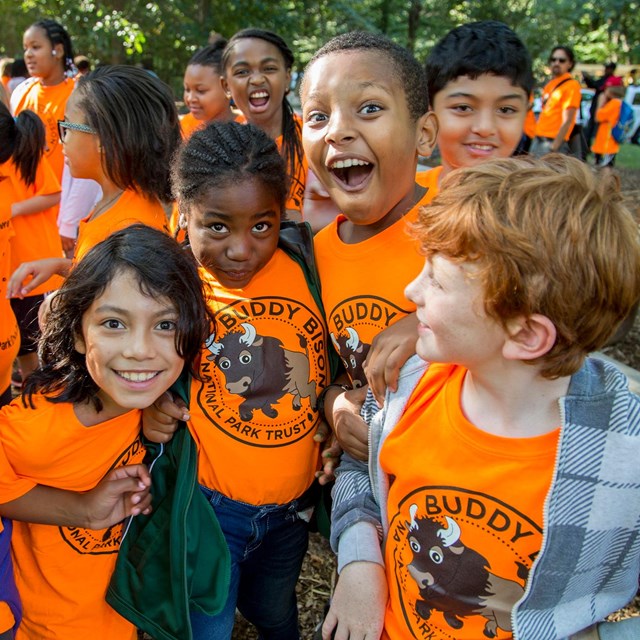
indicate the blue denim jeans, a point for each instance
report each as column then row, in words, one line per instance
column 267, row 544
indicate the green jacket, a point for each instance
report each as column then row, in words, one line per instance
column 175, row 559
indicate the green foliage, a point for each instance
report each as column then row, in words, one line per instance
column 165, row 34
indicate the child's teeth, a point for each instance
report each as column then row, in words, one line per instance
column 349, row 162
column 137, row 377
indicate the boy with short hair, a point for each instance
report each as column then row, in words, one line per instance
column 504, row 475
column 479, row 79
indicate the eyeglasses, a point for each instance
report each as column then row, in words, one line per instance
column 63, row 125
column 558, row 60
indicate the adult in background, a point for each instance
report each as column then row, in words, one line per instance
column 560, row 104
column 598, row 85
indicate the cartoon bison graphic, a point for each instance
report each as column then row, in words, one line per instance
column 455, row 579
column 352, row 352
column 262, row 371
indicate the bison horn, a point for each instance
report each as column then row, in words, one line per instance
column 213, row 346
column 249, row 334
column 451, row 534
column 413, row 509
column 354, row 338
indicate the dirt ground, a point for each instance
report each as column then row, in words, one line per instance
column 317, row 572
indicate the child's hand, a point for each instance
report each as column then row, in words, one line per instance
column 389, row 351
column 351, row 430
column 123, row 492
column 330, row 453
column 39, row 270
column 160, row 420
column 358, row 604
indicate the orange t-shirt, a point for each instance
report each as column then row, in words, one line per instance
column 130, row 208
column 295, row 199
column 363, row 285
column 62, row 573
column 255, row 413
column 36, row 234
column 188, row 124
column 49, row 103
column 430, row 180
column 557, row 97
column 465, row 511
column 9, row 332
column 607, row 117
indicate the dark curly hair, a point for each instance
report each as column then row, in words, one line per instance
column 162, row 268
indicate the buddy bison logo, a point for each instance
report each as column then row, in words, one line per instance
column 243, row 356
column 262, row 376
column 444, row 582
column 353, row 323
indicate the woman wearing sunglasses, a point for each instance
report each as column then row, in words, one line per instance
column 560, row 104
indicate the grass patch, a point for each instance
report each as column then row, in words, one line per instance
column 628, row 157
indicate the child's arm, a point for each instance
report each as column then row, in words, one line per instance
column 40, row 271
column 342, row 411
column 36, row 204
column 123, row 492
column 389, row 351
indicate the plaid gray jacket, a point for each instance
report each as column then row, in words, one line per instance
column 589, row 562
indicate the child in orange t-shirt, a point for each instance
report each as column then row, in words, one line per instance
column 502, row 477
column 29, row 192
column 48, row 54
column 607, row 114
column 256, row 66
column 254, row 411
column 121, row 328
column 114, row 149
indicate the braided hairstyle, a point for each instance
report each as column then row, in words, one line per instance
column 226, row 152
column 22, row 140
column 211, row 55
column 57, row 34
column 291, row 133
column 135, row 117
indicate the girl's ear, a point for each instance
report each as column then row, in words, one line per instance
column 426, row 132
column 58, row 51
column 529, row 338
column 80, row 345
column 225, row 86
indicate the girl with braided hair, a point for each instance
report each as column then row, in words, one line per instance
column 48, row 54
column 254, row 412
column 256, row 74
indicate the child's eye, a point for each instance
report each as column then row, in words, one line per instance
column 507, row 111
column 261, row 227
column 166, row 325
column 112, row 323
column 218, row 227
column 240, row 72
column 370, row 109
column 461, row 108
column 271, row 69
column 316, row 116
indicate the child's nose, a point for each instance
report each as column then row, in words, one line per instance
column 238, row 249
column 139, row 345
column 484, row 123
column 340, row 129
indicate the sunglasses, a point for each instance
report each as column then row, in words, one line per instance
column 63, row 125
column 558, row 60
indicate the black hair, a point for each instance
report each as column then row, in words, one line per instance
column 478, row 48
column 162, row 269
column 57, row 34
column 404, row 63
column 211, row 55
column 291, row 133
column 135, row 117
column 225, row 152
column 19, row 69
column 82, row 63
column 568, row 51
column 22, row 140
